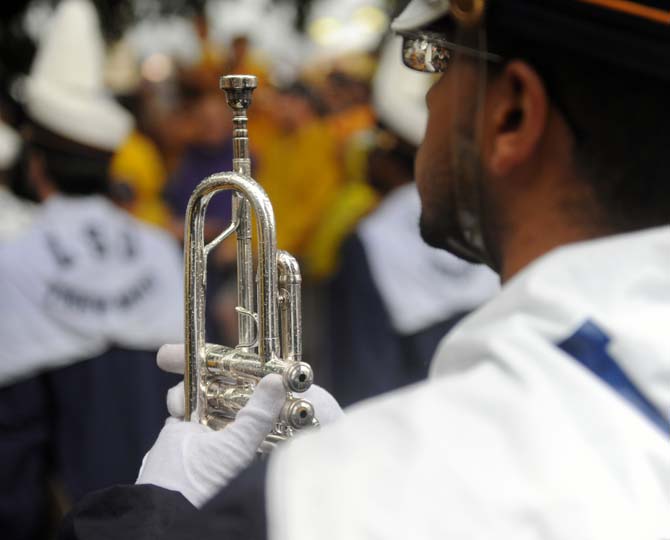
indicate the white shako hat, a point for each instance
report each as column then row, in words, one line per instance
column 65, row 89
column 419, row 13
column 399, row 94
column 10, row 144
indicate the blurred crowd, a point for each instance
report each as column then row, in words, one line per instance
column 327, row 148
column 333, row 146
column 307, row 139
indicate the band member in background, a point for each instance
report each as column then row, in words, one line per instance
column 88, row 294
column 546, row 412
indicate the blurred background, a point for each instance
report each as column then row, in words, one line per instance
column 331, row 135
column 334, row 126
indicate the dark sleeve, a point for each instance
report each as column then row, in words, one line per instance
column 24, row 460
column 142, row 512
column 148, row 512
column 104, row 446
column 366, row 357
column 419, row 348
column 236, row 513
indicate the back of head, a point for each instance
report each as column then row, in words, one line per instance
column 606, row 68
column 72, row 168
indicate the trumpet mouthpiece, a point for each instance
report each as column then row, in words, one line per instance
column 238, row 89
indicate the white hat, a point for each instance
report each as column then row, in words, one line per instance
column 419, row 13
column 398, row 94
column 65, row 89
column 10, row 143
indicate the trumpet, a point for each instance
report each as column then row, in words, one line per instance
column 219, row 380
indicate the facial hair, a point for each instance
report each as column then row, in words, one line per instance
column 461, row 221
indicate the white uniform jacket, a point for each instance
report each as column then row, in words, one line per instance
column 85, row 277
column 513, row 436
column 15, row 214
column 419, row 285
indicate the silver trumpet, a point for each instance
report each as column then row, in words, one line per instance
column 219, row 380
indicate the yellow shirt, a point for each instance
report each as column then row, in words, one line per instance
column 353, row 202
column 351, row 121
column 302, row 174
column 138, row 164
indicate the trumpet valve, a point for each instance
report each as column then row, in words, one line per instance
column 298, row 377
column 297, row 413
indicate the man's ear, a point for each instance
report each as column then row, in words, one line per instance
column 519, row 108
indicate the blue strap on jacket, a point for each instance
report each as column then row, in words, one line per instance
column 588, row 345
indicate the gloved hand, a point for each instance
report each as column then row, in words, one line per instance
column 197, row 461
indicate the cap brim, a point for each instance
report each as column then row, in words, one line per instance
column 420, row 13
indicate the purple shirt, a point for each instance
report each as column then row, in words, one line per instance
column 197, row 163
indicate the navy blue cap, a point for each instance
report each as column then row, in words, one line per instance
column 633, row 35
column 627, row 34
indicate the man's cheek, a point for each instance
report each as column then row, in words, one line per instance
column 419, row 165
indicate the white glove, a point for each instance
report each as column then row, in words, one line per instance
column 197, row 461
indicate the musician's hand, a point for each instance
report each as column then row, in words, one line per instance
column 197, row 461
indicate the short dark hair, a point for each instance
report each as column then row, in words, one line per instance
column 620, row 121
column 73, row 168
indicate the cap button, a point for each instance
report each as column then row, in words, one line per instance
column 467, row 12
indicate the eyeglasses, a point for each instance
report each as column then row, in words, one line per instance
column 429, row 52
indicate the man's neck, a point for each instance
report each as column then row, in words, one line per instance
column 548, row 224
column 532, row 247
